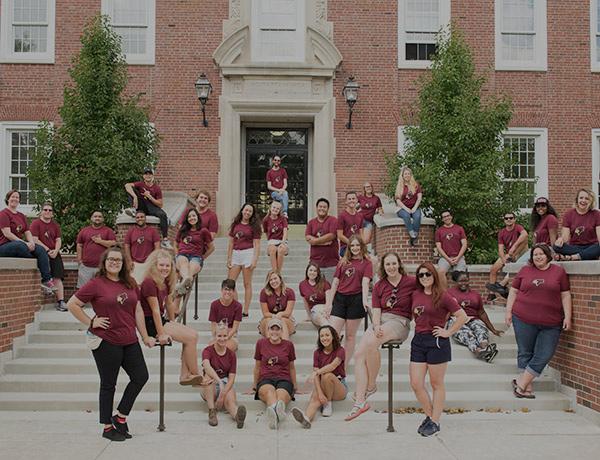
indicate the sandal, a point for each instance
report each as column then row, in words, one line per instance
column 368, row 393
column 357, row 409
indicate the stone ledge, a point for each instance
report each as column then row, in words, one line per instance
column 583, row 267
column 175, row 203
column 17, row 263
column 389, row 217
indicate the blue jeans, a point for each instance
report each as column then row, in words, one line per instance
column 20, row 250
column 283, row 197
column 412, row 222
column 586, row 252
column 536, row 345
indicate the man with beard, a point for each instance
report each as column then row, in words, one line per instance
column 139, row 243
column 92, row 241
column 321, row 234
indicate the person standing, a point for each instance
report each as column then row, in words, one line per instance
column 46, row 233
column 370, row 204
column 277, row 182
column 147, row 196
column 226, row 311
column 321, row 234
column 92, row 241
column 451, row 244
column 207, row 216
column 140, row 241
column 408, row 198
column 275, row 226
column 350, row 222
column 17, row 241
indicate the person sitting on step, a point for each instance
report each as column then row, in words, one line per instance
column 275, row 226
column 277, row 301
column 314, row 290
column 227, row 312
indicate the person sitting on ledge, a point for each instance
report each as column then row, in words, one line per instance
column 370, row 204
column 147, row 196
column 17, row 241
column 475, row 332
column 451, row 244
column 580, row 232
column 408, row 198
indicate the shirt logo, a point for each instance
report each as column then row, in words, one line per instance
column 367, row 205
column 239, row 235
column 121, row 298
column 579, row 230
column 465, row 303
column 312, row 298
column 140, row 240
column 19, row 228
column 354, row 229
column 47, row 235
column 272, row 360
column 538, row 282
column 349, row 272
column 319, row 233
column 274, row 229
column 449, row 236
column 409, row 194
column 277, row 306
column 223, row 323
column 187, row 239
column 418, row 310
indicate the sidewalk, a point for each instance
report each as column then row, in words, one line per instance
column 475, row 435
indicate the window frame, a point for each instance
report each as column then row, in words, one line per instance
column 149, row 57
column 540, row 42
column 594, row 32
column 403, row 63
column 7, row 53
column 596, row 163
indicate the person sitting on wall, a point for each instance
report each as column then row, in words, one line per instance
column 408, row 198
column 207, row 215
column 277, row 182
column 451, row 244
column 139, row 243
column 370, row 204
column 147, row 196
column 92, row 241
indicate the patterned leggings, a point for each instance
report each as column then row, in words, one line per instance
column 471, row 334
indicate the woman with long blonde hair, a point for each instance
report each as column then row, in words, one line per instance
column 408, row 198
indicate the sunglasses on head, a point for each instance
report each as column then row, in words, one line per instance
column 424, row 274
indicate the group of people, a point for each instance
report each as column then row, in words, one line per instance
column 139, row 287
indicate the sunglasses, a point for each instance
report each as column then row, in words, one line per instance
column 47, row 210
column 509, row 218
column 424, row 274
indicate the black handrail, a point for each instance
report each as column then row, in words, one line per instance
column 196, row 297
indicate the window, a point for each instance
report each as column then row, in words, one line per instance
column 528, row 150
column 278, row 30
column 134, row 21
column 595, row 34
column 419, row 21
column 521, row 35
column 27, row 31
column 17, row 145
column 596, row 163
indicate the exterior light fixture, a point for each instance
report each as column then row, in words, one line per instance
column 350, row 93
column 203, row 90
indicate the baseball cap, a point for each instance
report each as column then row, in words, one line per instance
column 275, row 322
column 148, row 170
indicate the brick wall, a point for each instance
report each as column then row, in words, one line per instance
column 395, row 238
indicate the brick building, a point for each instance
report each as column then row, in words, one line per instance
column 278, row 68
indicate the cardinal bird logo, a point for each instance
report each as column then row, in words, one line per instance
column 121, row 298
column 537, row 282
column 319, row 234
column 367, row 205
column 238, row 235
column 409, row 195
column 349, row 272
column 187, row 239
column 391, row 302
column 19, row 228
column 312, row 298
column 223, row 323
column 449, row 236
column 219, row 371
column 354, row 229
column 418, row 310
column 274, row 229
column 140, row 240
column 465, row 303
column 272, row 360
column 579, row 230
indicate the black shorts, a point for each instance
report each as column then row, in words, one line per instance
column 283, row 384
column 151, row 327
column 425, row 348
column 348, row 306
column 57, row 268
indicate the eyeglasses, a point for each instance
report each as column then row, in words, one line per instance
column 424, row 274
column 509, row 218
column 114, row 260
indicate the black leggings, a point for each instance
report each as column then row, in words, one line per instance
column 109, row 359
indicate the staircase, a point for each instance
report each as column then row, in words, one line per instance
column 54, row 370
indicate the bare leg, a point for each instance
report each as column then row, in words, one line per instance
column 283, row 395
column 247, row 275
column 188, row 337
column 333, row 389
column 60, row 289
column 350, row 339
column 208, row 393
column 436, row 378
column 194, row 269
column 495, row 270
column 417, row 373
column 233, row 273
column 282, row 251
column 183, row 266
column 313, row 406
column 231, row 404
column 232, row 344
column 272, row 252
column 266, row 394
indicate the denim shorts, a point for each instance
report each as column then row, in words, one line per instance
column 196, row 259
column 367, row 225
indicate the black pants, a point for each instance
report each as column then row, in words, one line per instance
column 151, row 210
column 109, row 359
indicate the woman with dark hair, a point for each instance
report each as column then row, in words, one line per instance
column 391, row 304
column 430, row 347
column 580, row 232
column 544, row 222
column 350, row 292
column 539, row 308
column 328, row 377
column 314, row 290
column 277, row 301
column 112, row 337
column 193, row 245
column 370, row 204
column 243, row 249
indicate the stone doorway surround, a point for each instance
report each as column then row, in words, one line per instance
column 275, row 92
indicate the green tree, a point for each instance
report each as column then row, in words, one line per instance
column 455, row 149
column 103, row 141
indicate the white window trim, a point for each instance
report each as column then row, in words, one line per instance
column 596, row 163
column 541, row 156
column 595, row 63
column 7, row 55
column 147, row 58
column 540, row 62
column 401, row 140
column 445, row 14
column 5, row 156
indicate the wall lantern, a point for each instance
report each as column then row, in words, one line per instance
column 203, row 90
column 350, row 93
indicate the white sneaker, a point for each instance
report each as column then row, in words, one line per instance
column 166, row 244
column 130, row 211
column 327, row 409
column 272, row 417
column 280, row 411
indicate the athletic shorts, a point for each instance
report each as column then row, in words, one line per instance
column 348, row 306
column 151, row 327
column 85, row 274
column 425, row 348
column 277, row 383
column 57, row 268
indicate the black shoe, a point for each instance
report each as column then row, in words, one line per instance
column 411, row 241
column 423, row 423
column 245, row 315
column 490, row 297
column 503, row 292
column 61, row 306
column 113, row 435
column 496, row 287
column 430, row 429
column 122, row 428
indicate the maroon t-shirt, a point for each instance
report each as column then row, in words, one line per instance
column 409, row 198
column 538, row 300
column 583, row 227
column 222, row 365
column 46, row 232
column 220, row 313
column 116, row 301
column 243, row 236
column 470, row 301
column 273, row 228
column 154, row 189
column 276, row 177
column 308, row 292
column 327, row 255
column 351, row 275
column 542, row 231
column 150, row 289
column 349, row 224
column 91, row 252
column 395, row 299
column 17, row 222
column 277, row 303
column 322, row 359
column 509, row 237
column 141, row 242
column 208, row 220
column 369, row 206
column 274, row 359
column 427, row 316
column 450, row 237
column 194, row 243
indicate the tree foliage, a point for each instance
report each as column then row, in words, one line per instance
column 104, row 140
column 454, row 147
